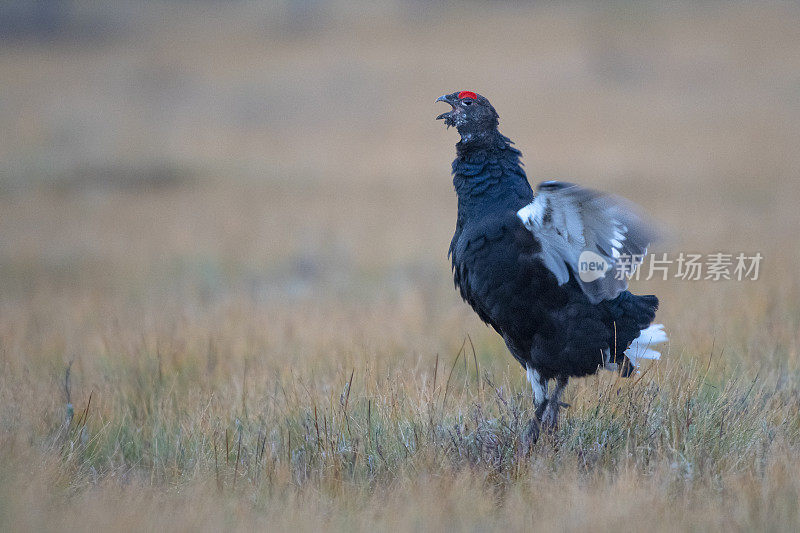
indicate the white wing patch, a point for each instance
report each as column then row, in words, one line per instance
column 567, row 220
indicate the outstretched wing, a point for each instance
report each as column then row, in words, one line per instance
column 601, row 238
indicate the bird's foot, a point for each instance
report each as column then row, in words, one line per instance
column 535, row 425
column 531, row 435
column 549, row 418
column 545, row 420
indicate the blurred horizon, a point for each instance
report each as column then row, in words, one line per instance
column 285, row 88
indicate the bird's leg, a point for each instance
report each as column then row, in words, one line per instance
column 539, row 388
column 549, row 419
column 540, row 401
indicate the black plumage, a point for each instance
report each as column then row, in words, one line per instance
column 508, row 270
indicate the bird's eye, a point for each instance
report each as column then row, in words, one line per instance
column 466, row 101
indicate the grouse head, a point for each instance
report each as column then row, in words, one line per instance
column 471, row 114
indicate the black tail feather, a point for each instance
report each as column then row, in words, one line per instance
column 631, row 314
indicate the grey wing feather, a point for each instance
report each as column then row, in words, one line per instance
column 569, row 220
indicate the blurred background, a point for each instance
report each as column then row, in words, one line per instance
column 283, row 147
column 204, row 202
column 176, row 158
column 159, row 159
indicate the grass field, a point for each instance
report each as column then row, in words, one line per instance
column 225, row 300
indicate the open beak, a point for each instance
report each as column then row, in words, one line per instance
column 447, row 115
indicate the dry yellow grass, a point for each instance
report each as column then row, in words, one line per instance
column 231, row 225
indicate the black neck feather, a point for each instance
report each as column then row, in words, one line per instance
column 488, row 175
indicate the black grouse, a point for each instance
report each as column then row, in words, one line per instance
column 548, row 271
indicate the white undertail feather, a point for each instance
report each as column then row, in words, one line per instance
column 640, row 347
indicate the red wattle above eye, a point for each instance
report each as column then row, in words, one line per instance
column 467, row 94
